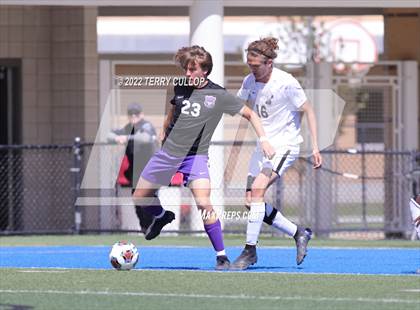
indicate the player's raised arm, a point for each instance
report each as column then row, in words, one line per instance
column 307, row 109
column 253, row 118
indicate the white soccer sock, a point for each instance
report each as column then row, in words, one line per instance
column 280, row 222
column 221, row 253
column 255, row 219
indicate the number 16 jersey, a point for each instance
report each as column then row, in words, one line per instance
column 277, row 103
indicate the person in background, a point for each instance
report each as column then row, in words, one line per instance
column 139, row 136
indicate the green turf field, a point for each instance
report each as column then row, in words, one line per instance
column 148, row 289
column 109, row 289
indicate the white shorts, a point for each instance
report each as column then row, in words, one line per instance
column 284, row 158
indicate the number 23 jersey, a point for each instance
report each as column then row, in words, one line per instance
column 196, row 116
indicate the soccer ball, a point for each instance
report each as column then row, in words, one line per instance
column 124, row 255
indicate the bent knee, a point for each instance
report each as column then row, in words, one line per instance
column 205, row 207
column 256, row 192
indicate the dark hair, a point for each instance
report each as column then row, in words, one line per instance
column 134, row 108
column 265, row 47
column 195, row 54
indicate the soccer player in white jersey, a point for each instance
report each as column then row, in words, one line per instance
column 279, row 100
column 415, row 212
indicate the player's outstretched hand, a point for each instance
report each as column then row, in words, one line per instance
column 161, row 136
column 317, row 159
column 268, row 150
column 417, row 221
column 121, row 139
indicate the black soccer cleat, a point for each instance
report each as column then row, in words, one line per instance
column 302, row 237
column 222, row 262
column 247, row 258
column 157, row 224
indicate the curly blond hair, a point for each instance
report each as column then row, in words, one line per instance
column 265, row 47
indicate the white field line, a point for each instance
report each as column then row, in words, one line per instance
column 43, row 271
column 148, row 269
column 50, row 251
column 207, row 296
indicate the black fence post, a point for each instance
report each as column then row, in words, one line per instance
column 363, row 176
column 415, row 173
column 76, row 170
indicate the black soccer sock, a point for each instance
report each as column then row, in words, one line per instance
column 268, row 219
column 145, row 218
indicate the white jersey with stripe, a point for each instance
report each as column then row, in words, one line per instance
column 277, row 103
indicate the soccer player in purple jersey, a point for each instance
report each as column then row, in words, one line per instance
column 192, row 119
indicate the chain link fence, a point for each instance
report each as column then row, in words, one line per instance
column 36, row 189
column 354, row 193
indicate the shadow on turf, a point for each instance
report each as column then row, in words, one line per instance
column 274, row 267
column 256, row 268
column 169, row 268
column 15, row 307
column 410, row 272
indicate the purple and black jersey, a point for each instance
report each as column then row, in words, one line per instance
column 196, row 116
